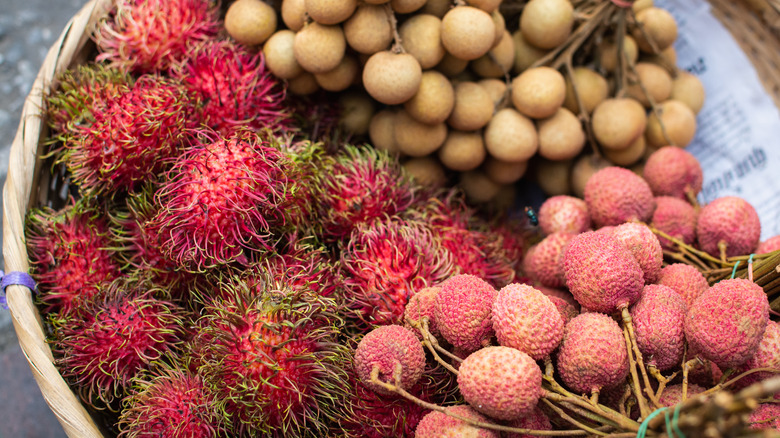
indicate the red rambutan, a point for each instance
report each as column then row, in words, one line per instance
column 69, row 252
column 235, row 89
column 151, row 35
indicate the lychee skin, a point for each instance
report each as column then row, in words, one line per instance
column 727, row 322
column 676, row 218
column 536, row 420
column 731, row 220
column 525, row 319
column 645, row 247
column 769, row 245
column 658, row 317
column 767, row 356
column 615, row 195
column 673, row 394
column 673, row 171
column 440, row 425
column 565, row 308
column 546, row 263
column 765, row 416
column 421, row 305
column 565, row 214
column 463, row 311
column 593, row 353
column 395, row 351
column 685, row 279
column 500, row 382
column 601, row 272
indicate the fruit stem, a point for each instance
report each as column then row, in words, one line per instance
column 397, row 43
column 601, row 412
column 571, row 420
column 722, row 246
column 684, row 246
column 635, row 360
column 653, row 106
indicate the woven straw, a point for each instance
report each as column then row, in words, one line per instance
column 754, row 23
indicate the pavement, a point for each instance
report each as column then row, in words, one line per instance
column 27, row 30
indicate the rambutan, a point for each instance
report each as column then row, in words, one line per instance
column 223, row 198
column 234, row 88
column 151, row 35
column 307, row 266
column 170, row 401
column 120, row 134
column 272, row 359
column 358, row 185
column 70, row 255
column 114, row 336
column 385, row 262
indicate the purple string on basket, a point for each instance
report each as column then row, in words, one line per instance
column 14, row 278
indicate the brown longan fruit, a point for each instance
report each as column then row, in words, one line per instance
column 547, row 23
column 617, row 122
column 525, row 53
column 497, row 61
column 473, row 107
column 392, row 78
column 451, row 66
column 538, row 92
column 659, row 26
column 368, row 31
column 462, row 151
column 503, row 172
column 376, row 2
column 303, row 84
column 553, row 177
column 357, row 111
column 478, row 187
column 381, row 131
column 294, row 14
column 467, row 32
column 434, row 99
column 511, row 136
column 666, row 59
column 319, row 48
column 426, row 171
column 485, row 5
column 689, row 90
column 279, row 56
column 421, row 37
column 436, row 7
column 561, row 136
column 607, row 53
column 250, row 22
column 582, row 170
column 330, row 11
column 341, row 77
column 628, row 156
column 500, row 25
column 417, row 139
column 406, row 6
column 496, row 88
column 678, row 120
column 591, row 86
column 655, row 80
column 641, row 4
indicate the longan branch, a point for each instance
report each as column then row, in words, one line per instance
column 397, row 43
column 653, row 106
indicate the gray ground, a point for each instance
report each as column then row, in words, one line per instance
column 27, row 29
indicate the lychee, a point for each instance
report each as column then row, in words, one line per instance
column 767, row 356
column 769, row 245
column 500, row 382
column 658, row 318
column 676, row 218
column 547, row 263
column 394, row 353
column 567, row 310
column 536, row 420
column 592, row 354
column 673, row 171
column 765, row 416
column 421, row 305
column 645, row 247
column 463, row 311
column 685, row 279
column 727, row 322
column 672, row 394
column 729, row 221
column 564, row 213
column 615, row 195
column 525, row 319
column 440, row 425
column 601, row 272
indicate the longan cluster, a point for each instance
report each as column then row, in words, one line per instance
column 453, row 90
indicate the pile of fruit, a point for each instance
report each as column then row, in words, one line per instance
column 229, row 263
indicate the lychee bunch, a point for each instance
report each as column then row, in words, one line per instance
column 152, row 35
column 234, row 88
column 70, row 255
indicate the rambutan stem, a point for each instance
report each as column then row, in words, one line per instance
column 635, row 359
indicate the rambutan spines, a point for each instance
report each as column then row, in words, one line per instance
column 234, row 88
column 70, row 252
column 151, row 35
column 273, row 359
column 223, row 198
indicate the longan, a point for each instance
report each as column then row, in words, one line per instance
column 279, row 56
column 417, row 139
column 473, row 107
column 547, row 23
column 679, row 122
column 478, row 187
column 657, row 82
column 250, row 22
column 426, row 171
column 553, row 177
column 485, row 5
column 452, row 66
column 392, row 78
column 503, row 172
column 511, row 136
column 538, row 92
column 368, row 31
column 319, row 48
column 607, row 53
column 462, row 151
column 617, row 122
column 496, row 88
column 525, row 53
column 582, row 170
column 421, row 36
column 689, row 90
column 406, row 6
column 467, row 32
column 341, row 77
column 293, row 14
column 357, row 110
column 330, row 11
column 591, row 86
column 434, row 99
column 659, row 26
column 381, row 131
column 498, row 61
column 303, row 84
column 436, row 7
column 561, row 136
column 628, row 156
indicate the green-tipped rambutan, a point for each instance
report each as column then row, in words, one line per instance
column 118, row 132
column 223, row 198
column 358, row 185
column 170, row 401
column 70, row 254
column 387, row 261
column 114, row 336
column 307, row 266
column 151, row 35
column 235, row 89
column 272, row 359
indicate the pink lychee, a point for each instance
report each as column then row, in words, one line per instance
column 658, row 322
column 546, row 262
column 565, row 214
column 673, row 171
column 729, row 221
column 463, row 311
column 440, row 425
column 645, row 247
column 769, row 245
column 525, row 319
column 395, row 352
column 685, row 279
column 615, row 195
column 672, row 394
column 676, row 218
column 421, row 305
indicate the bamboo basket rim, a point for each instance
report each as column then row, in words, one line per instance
column 755, row 24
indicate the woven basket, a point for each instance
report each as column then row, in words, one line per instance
column 754, row 23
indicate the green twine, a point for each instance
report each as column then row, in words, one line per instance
column 672, row 424
column 675, row 421
column 646, row 423
column 734, row 271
